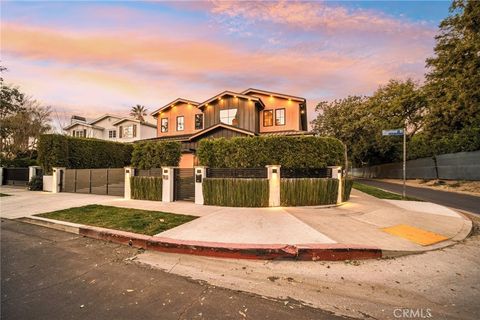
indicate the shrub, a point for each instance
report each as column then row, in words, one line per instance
column 18, row 162
column 235, row 192
column 146, row 188
column 36, row 183
column 80, row 153
column 346, row 188
column 308, row 191
column 290, row 152
column 156, row 154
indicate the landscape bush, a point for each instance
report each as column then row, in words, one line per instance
column 146, row 188
column 56, row 150
column 156, row 154
column 236, row 192
column 36, row 183
column 346, row 189
column 308, row 191
column 290, row 152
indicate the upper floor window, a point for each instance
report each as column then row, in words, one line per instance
column 180, row 123
column 228, row 116
column 268, row 118
column 80, row 133
column 112, row 134
column 280, row 117
column 199, row 121
column 128, row 131
column 164, row 125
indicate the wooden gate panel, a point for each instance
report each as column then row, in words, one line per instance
column 184, row 184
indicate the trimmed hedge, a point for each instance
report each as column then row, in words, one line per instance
column 346, row 189
column 308, row 191
column 235, row 192
column 56, row 150
column 146, row 188
column 252, row 152
column 156, row 154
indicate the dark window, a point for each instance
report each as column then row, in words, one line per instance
column 164, row 125
column 180, row 123
column 199, row 121
column 280, row 117
column 112, row 134
column 268, row 118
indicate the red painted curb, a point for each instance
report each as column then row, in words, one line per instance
column 307, row 252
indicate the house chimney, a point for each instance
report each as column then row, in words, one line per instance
column 77, row 119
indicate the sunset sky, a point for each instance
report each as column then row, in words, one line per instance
column 89, row 58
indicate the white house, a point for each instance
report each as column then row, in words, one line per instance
column 112, row 128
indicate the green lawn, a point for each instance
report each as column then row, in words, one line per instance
column 132, row 220
column 4, row 195
column 379, row 193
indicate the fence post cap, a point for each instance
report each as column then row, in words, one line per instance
column 273, row 166
column 201, row 167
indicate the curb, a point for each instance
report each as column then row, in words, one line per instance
column 300, row 252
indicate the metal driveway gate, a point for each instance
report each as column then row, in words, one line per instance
column 95, row 181
column 184, row 184
column 15, row 176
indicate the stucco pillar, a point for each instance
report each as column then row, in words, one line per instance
column 58, row 179
column 337, row 174
column 32, row 171
column 273, row 175
column 1, row 176
column 127, row 193
column 200, row 174
column 168, row 184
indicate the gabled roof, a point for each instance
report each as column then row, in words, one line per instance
column 171, row 104
column 233, row 94
column 106, row 115
column 80, row 123
column 274, row 94
column 221, row 125
column 134, row 120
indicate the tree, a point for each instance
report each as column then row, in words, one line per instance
column 139, row 112
column 453, row 80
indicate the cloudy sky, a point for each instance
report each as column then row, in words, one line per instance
column 91, row 57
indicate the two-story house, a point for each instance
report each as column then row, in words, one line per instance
column 112, row 128
column 229, row 114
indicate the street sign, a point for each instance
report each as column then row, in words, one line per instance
column 393, row 132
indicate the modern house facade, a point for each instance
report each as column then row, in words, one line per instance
column 252, row 112
column 112, row 128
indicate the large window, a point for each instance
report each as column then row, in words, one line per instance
column 79, row 133
column 228, row 116
column 164, row 125
column 130, row 131
column 199, row 121
column 268, row 118
column 280, row 117
column 180, row 123
column 112, row 134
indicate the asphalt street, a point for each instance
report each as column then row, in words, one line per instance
column 48, row 274
column 454, row 200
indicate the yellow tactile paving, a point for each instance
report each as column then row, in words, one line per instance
column 420, row 236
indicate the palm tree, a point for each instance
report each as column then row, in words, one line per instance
column 139, row 112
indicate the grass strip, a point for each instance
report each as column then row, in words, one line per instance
column 379, row 193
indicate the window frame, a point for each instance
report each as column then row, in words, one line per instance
column 126, row 131
column 284, row 116
column 162, row 128
column 228, row 117
column 264, row 118
column 112, row 134
column 201, row 122
column 183, row 123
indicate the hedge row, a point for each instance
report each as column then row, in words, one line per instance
column 156, row 154
column 308, row 191
column 346, row 189
column 80, row 153
column 146, row 188
column 252, row 152
column 235, row 192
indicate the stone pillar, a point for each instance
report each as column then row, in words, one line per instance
column 58, row 179
column 127, row 192
column 337, row 174
column 200, row 174
column 1, row 176
column 273, row 175
column 168, row 184
column 32, row 171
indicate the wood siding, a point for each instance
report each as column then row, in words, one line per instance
column 247, row 113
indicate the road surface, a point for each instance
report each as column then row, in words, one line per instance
column 454, row 200
column 48, row 274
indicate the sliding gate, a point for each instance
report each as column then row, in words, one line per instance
column 109, row 181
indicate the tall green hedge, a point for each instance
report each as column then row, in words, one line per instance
column 146, row 188
column 79, row 153
column 236, row 192
column 156, row 154
column 290, row 152
column 308, row 191
column 346, row 189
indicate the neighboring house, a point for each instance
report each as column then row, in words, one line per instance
column 112, row 128
column 229, row 114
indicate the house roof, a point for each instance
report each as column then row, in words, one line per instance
column 134, row 120
column 106, row 115
column 287, row 133
column 183, row 137
column 172, row 103
column 77, row 123
column 274, row 94
column 233, row 94
column 221, row 125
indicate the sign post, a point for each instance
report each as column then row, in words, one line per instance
column 400, row 132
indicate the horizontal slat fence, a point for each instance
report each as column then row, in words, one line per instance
column 237, row 173
column 305, row 172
